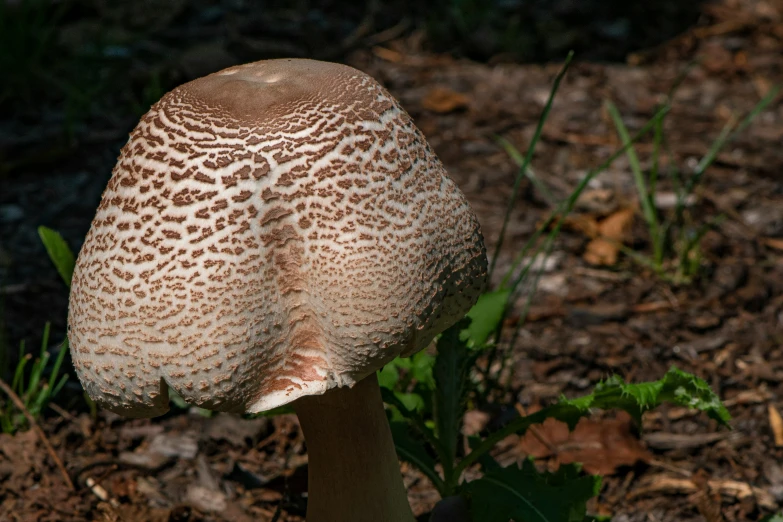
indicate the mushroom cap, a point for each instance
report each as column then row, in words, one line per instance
column 270, row 231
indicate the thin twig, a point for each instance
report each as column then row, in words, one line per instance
column 38, row 431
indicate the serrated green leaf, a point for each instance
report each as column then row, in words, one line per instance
column 451, row 377
column 485, row 316
column 678, row 387
column 59, row 252
column 401, row 413
column 522, row 494
column 413, row 450
column 777, row 517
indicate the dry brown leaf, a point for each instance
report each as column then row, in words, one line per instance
column 612, row 231
column 617, row 225
column 442, row 100
column 776, row 422
column 601, row 445
column 587, row 225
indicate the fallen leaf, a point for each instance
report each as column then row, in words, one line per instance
column 587, row 225
column 617, row 225
column 443, row 99
column 601, row 445
column 612, row 231
column 776, row 422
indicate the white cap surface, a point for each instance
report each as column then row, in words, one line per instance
column 270, row 231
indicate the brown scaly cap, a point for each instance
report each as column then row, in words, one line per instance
column 270, row 231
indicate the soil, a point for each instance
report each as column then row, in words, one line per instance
column 590, row 318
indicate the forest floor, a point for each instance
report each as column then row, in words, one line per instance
column 592, row 316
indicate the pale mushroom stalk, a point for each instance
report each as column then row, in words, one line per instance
column 274, row 233
column 353, row 471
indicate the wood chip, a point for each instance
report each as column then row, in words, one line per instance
column 387, row 54
column 776, row 422
column 443, row 100
column 666, row 441
column 663, row 484
column 773, row 242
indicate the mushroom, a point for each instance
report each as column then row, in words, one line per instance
column 275, row 233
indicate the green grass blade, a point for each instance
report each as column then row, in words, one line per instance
column 557, row 215
column 710, row 157
column 517, row 157
column 36, row 372
column 45, row 338
column 35, row 378
column 58, row 362
column 659, row 241
column 528, row 157
column 19, row 373
column 728, row 133
column 59, row 252
column 60, row 385
column 645, row 197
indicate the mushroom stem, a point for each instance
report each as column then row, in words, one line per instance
column 353, row 471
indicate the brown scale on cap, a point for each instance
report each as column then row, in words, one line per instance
column 270, row 231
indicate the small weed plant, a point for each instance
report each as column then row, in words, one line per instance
column 429, row 394
column 37, row 385
column 675, row 240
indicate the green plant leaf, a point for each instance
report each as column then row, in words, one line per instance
column 421, row 365
column 528, row 157
column 523, row 494
column 418, row 367
column 485, row 317
column 59, row 252
column 389, row 376
column 402, row 413
column 414, row 451
column 678, row 387
column 777, row 517
column 451, row 379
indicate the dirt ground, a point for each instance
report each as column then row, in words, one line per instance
column 586, row 322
